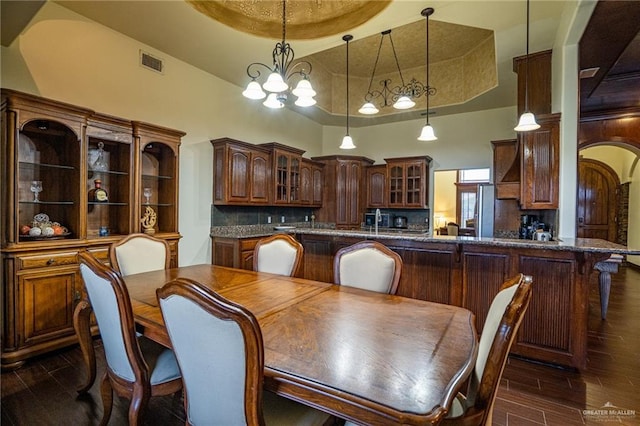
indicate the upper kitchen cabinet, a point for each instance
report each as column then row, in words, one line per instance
column 377, row 186
column 286, row 164
column 242, row 173
column 408, row 181
column 538, row 84
column 344, row 190
column 540, row 166
column 311, row 174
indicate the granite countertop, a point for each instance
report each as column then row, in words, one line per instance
column 563, row 244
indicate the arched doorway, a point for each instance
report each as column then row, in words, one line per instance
column 597, row 203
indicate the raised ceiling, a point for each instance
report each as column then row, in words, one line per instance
column 175, row 28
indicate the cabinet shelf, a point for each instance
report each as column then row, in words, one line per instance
column 110, row 203
column 50, row 203
column 25, row 164
column 156, row 177
column 108, row 172
column 157, row 204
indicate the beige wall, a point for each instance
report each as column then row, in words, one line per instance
column 444, row 203
column 64, row 56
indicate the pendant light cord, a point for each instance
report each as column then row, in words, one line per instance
column 284, row 21
column 526, row 75
column 348, row 38
column 427, row 53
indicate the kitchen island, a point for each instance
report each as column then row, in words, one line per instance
column 467, row 272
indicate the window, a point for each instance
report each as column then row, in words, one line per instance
column 467, row 192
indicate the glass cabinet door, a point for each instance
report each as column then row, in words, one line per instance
column 157, row 196
column 47, row 177
column 109, row 167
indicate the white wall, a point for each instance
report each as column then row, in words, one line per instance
column 66, row 57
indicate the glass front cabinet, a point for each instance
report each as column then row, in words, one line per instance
column 72, row 180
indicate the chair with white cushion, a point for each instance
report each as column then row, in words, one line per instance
column 136, row 367
column 220, row 352
column 278, row 254
column 498, row 334
column 137, row 253
column 368, row 265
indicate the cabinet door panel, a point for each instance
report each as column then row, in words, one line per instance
column 540, row 166
column 426, row 274
column 317, row 181
column 239, row 166
column 47, row 303
column 259, row 185
column 377, row 186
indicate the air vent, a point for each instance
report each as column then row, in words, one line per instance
column 589, row 72
column 151, row 62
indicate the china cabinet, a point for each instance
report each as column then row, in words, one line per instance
column 52, row 153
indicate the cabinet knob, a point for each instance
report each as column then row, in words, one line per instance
column 51, row 261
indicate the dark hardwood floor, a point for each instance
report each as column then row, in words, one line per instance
column 42, row 392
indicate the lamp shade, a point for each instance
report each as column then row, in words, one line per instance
column 254, row 91
column 273, row 102
column 275, row 83
column 527, row 123
column 304, row 101
column 304, row 89
column 404, row 102
column 427, row 134
column 347, row 143
column 368, row 109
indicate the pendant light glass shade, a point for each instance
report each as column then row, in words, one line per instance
column 304, row 89
column 275, row 83
column 273, row 102
column 254, row 91
column 427, row 134
column 368, row 109
column 404, row 102
column 527, row 123
column 305, row 101
column 347, row 143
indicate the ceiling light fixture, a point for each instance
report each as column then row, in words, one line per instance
column 427, row 133
column 401, row 97
column 347, row 142
column 283, row 69
column 527, row 120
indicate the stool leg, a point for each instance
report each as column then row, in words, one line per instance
column 605, row 288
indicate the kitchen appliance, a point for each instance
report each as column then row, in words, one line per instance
column 400, row 222
column 484, row 222
column 528, row 225
column 370, row 220
column 541, row 235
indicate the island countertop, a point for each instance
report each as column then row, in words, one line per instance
column 563, row 244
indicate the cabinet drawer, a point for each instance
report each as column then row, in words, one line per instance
column 48, row 260
column 248, row 244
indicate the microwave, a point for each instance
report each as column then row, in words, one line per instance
column 370, row 220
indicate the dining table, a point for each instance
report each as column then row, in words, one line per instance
column 367, row 357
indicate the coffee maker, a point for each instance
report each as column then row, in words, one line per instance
column 528, row 225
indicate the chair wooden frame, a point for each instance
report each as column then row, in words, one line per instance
column 113, row 257
column 289, row 240
column 368, row 244
column 140, row 390
column 481, row 396
column 222, row 308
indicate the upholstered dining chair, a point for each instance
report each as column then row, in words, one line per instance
column 137, row 253
column 278, row 254
column 369, row 265
column 498, row 334
column 219, row 348
column 136, row 368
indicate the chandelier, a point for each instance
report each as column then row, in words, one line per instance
column 401, row 97
column 280, row 72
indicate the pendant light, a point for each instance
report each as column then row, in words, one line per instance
column 427, row 133
column 347, row 142
column 527, row 120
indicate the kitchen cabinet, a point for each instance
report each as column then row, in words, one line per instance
column 377, row 186
column 344, row 190
column 540, row 168
column 286, row 164
column 538, row 82
column 242, row 173
column 408, row 182
column 65, row 148
column 311, row 183
column 233, row 252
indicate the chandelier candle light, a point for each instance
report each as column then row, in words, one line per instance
column 527, row 120
column 401, row 96
column 347, row 142
column 427, row 133
column 282, row 70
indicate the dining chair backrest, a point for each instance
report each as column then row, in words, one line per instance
column 278, row 254
column 112, row 307
column 453, row 229
column 498, row 334
column 137, row 253
column 229, row 390
column 369, row 265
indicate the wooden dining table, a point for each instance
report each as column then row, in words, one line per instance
column 363, row 356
